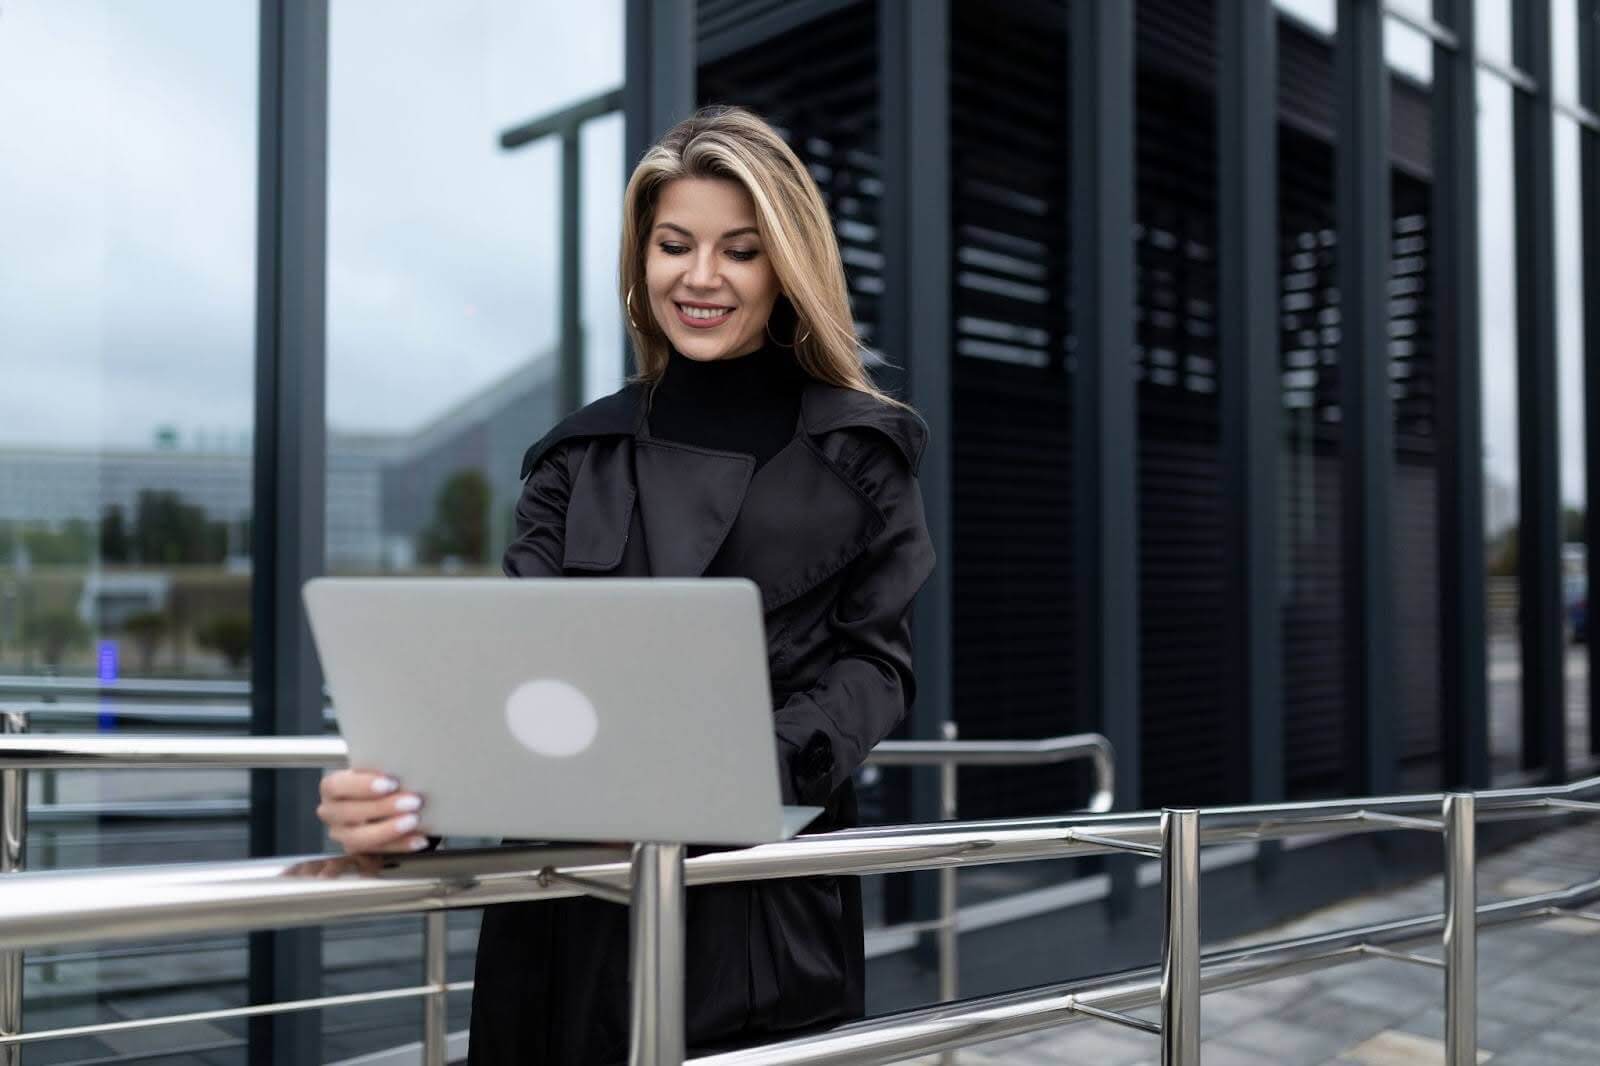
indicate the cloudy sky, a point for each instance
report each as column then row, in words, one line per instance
column 127, row 208
column 127, row 199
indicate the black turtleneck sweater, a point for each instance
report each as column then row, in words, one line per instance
column 748, row 404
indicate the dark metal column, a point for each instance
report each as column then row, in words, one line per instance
column 1544, row 735
column 1463, row 696
column 289, row 500
column 915, row 325
column 1105, row 425
column 1367, row 436
column 658, row 88
column 1589, row 184
column 1252, row 392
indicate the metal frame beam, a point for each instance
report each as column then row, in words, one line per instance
column 1104, row 409
column 1251, row 385
column 289, row 488
column 1463, row 691
column 914, row 49
column 1544, row 737
column 1367, row 441
column 1589, row 184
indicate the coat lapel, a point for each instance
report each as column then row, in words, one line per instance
column 688, row 500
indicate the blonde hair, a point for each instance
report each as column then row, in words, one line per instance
column 734, row 143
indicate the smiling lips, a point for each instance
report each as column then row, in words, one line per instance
column 702, row 317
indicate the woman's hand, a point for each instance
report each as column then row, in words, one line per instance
column 365, row 812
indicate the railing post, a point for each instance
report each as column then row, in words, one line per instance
column 656, row 1036
column 435, row 960
column 1460, row 930
column 1180, row 955
column 13, row 856
column 949, row 982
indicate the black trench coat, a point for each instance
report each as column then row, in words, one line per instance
column 831, row 530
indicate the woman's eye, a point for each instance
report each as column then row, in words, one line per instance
column 743, row 256
column 673, row 249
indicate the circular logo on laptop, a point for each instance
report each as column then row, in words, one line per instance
column 551, row 718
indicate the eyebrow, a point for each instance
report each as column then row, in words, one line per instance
column 731, row 233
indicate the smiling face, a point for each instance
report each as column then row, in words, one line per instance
column 710, row 283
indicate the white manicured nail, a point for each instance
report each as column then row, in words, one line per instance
column 407, row 802
column 384, row 785
column 417, row 843
column 405, row 823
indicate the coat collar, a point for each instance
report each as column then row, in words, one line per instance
column 823, row 409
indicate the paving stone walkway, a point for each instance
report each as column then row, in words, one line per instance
column 1538, row 988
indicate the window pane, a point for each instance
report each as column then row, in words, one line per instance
column 1408, row 51
column 1494, row 29
column 127, row 339
column 1570, row 381
column 444, row 313
column 1498, row 290
column 1564, row 50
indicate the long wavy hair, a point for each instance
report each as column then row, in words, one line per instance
column 734, row 143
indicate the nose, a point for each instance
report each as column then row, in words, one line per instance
column 702, row 273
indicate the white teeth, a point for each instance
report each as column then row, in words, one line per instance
column 703, row 312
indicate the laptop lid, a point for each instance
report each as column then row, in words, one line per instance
column 559, row 709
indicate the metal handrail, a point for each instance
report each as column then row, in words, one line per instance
column 55, row 908
column 20, row 753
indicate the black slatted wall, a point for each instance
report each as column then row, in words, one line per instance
column 1013, row 616
column 1012, row 457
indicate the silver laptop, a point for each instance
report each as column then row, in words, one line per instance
column 559, row 709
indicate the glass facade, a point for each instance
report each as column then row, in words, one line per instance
column 129, row 309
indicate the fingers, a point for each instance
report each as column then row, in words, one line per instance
column 388, row 835
column 358, row 785
column 365, row 812
column 360, row 811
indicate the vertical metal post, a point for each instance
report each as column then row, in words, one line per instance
column 1104, row 414
column 1544, row 719
column 914, row 330
column 656, row 1036
column 1252, row 390
column 1460, row 930
column 1589, row 171
column 1463, row 689
column 948, row 981
column 1180, row 951
column 1366, row 409
column 13, row 857
column 290, row 498
column 571, row 378
column 435, row 962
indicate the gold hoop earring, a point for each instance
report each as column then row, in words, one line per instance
column 794, row 343
column 628, row 303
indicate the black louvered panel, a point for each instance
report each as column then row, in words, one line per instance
column 1011, row 440
column 1012, row 626
column 818, row 86
column 713, row 17
column 1186, row 757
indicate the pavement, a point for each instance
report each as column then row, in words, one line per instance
column 1538, row 988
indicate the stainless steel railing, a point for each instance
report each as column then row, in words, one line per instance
column 20, row 753
column 48, row 909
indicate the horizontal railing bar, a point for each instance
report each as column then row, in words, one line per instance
column 1112, row 844
column 1228, row 968
column 350, row 999
column 52, row 751
column 948, row 1026
column 988, row 752
column 136, row 810
column 1402, row 821
column 1401, row 956
column 40, row 909
column 1114, row 1016
column 141, row 688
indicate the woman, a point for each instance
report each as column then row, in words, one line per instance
column 751, row 443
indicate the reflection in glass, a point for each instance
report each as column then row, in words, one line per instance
column 1498, row 311
column 127, row 340
column 1494, row 29
column 1570, row 386
column 444, row 318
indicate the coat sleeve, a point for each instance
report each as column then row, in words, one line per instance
column 825, row 732
column 538, row 548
